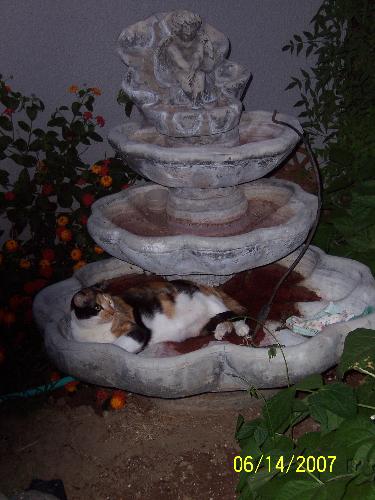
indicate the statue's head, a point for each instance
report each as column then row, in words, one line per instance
column 185, row 24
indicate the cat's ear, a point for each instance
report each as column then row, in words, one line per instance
column 100, row 286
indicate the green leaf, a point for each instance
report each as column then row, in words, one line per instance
column 310, row 382
column 20, row 144
column 76, row 106
column 24, row 160
column 32, row 112
column 24, row 126
column 5, row 140
column 359, row 352
column 4, row 178
column 297, row 489
column 277, row 411
column 337, row 398
column 5, row 123
column 95, row 137
column 58, row 121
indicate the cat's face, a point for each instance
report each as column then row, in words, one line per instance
column 91, row 302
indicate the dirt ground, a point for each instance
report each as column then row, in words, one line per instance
column 147, row 450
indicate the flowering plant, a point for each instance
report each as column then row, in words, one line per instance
column 46, row 192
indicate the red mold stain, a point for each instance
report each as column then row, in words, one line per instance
column 252, row 289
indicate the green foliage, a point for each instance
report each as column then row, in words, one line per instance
column 47, row 191
column 337, row 97
column 278, row 465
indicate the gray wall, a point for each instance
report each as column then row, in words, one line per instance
column 48, row 45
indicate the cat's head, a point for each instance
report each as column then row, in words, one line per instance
column 92, row 302
column 100, row 317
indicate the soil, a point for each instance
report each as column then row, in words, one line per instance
column 142, row 451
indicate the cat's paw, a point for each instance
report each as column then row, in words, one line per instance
column 241, row 328
column 222, row 329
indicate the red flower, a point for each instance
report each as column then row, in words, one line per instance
column 80, row 181
column 9, row 196
column 16, row 301
column 102, row 395
column 100, row 121
column 87, row 115
column 46, row 272
column 48, row 254
column 34, row 286
column 125, row 186
column 10, row 111
column 84, row 219
column 29, row 316
column 7, row 88
column 47, row 189
column 106, row 163
column 104, row 170
column 88, row 199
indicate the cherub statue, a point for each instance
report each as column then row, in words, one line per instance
column 187, row 56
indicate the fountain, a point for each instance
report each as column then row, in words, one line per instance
column 208, row 214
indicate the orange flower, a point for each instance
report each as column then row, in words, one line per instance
column 11, row 245
column 106, row 181
column 96, row 169
column 9, row 318
column 43, row 263
column 71, row 386
column 80, row 263
column 76, row 254
column 62, row 220
column 96, row 90
column 66, row 235
column 25, row 264
column 104, row 170
column 98, row 249
column 49, row 254
column 118, row 400
column 73, row 89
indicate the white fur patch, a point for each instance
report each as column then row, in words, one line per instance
column 241, row 328
column 129, row 344
column 190, row 316
column 91, row 330
column 222, row 329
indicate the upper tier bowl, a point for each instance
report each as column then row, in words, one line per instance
column 262, row 146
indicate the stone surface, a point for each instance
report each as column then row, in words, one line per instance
column 262, row 146
column 179, row 77
column 217, row 367
column 144, row 239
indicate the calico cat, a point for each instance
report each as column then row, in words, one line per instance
column 160, row 311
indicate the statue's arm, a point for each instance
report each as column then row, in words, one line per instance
column 177, row 58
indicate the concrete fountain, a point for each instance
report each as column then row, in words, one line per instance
column 207, row 214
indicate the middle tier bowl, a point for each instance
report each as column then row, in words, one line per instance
column 262, row 145
column 277, row 222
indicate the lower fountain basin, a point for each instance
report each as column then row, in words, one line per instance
column 262, row 146
column 219, row 366
column 277, row 221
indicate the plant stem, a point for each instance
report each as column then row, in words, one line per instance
column 366, row 406
column 315, row 478
column 362, row 370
